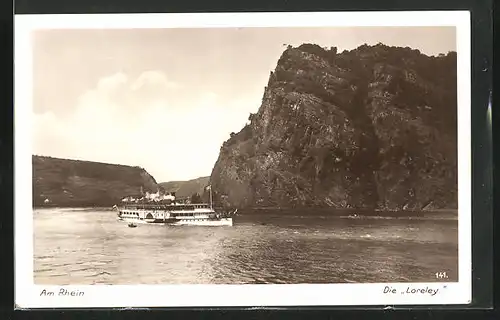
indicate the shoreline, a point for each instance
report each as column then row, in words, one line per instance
column 299, row 211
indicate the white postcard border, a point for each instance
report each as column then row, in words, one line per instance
column 29, row 295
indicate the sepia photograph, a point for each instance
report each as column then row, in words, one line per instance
column 231, row 153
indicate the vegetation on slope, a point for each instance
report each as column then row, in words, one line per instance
column 75, row 183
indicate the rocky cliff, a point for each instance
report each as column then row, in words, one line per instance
column 76, row 183
column 374, row 128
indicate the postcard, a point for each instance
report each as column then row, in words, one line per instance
column 242, row 159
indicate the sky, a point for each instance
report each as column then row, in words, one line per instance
column 166, row 99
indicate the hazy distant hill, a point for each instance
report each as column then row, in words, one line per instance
column 186, row 188
column 83, row 183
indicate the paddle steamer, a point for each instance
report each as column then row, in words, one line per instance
column 165, row 210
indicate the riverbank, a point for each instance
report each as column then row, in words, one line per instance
column 327, row 211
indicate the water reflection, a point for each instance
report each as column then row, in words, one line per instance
column 90, row 247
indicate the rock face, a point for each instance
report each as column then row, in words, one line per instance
column 73, row 183
column 374, row 128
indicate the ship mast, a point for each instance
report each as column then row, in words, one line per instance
column 210, row 187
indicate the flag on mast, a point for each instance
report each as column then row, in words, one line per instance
column 209, row 188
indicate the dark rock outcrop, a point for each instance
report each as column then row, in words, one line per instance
column 74, row 183
column 374, row 128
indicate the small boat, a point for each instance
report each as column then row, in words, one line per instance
column 132, row 225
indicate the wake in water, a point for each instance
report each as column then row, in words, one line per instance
column 399, row 218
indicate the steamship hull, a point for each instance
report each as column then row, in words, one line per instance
column 207, row 222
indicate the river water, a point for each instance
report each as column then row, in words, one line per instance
column 88, row 246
